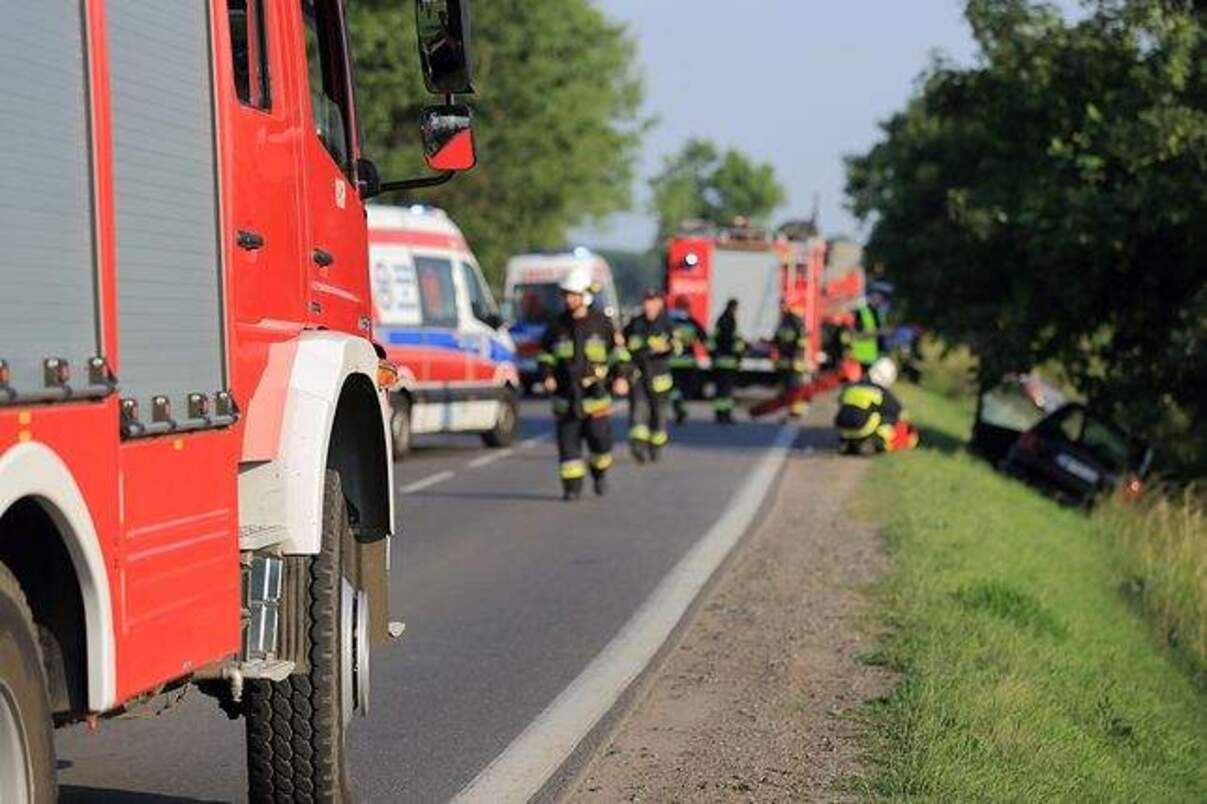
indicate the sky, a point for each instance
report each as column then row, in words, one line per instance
column 797, row 83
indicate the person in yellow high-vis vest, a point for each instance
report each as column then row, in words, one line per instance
column 650, row 341
column 726, row 348
column 862, row 340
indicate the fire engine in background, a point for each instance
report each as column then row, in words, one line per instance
column 708, row 266
column 195, row 483
column 843, row 289
column 438, row 321
column 531, row 299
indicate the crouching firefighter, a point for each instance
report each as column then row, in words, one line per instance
column 582, row 364
column 870, row 418
column 650, row 341
column 726, row 348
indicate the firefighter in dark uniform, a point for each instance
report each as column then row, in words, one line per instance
column 685, row 368
column 650, row 341
column 870, row 418
column 726, row 348
column 791, row 346
column 582, row 364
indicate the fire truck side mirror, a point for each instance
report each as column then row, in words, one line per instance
column 443, row 28
column 448, row 138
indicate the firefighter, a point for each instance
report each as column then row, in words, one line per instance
column 791, row 345
column 726, row 348
column 870, row 418
column 685, row 369
column 650, row 341
column 582, row 364
column 862, row 338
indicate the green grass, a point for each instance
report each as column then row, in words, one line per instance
column 1027, row 675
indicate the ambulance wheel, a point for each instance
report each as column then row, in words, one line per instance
column 400, row 427
column 27, row 764
column 504, row 430
column 296, row 727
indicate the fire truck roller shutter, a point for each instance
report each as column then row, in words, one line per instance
column 169, row 266
column 48, row 304
column 753, row 278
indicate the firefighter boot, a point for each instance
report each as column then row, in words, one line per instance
column 600, row 464
column 601, row 483
column 658, row 440
column 572, row 489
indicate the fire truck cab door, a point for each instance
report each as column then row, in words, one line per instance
column 337, row 240
column 268, row 267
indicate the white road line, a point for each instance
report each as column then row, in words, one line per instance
column 427, row 482
column 489, row 458
column 517, row 774
column 529, row 443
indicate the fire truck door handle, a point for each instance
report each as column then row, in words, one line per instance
column 322, row 258
column 249, row 240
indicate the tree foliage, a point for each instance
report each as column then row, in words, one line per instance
column 703, row 183
column 1050, row 202
column 556, row 117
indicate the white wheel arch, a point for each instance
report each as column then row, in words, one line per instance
column 35, row 471
column 286, row 494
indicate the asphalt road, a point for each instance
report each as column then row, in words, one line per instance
column 507, row 592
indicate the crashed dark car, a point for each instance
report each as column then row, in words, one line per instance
column 1007, row 410
column 1079, row 457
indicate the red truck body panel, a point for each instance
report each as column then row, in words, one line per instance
column 165, row 508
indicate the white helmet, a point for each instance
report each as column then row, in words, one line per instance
column 883, row 372
column 578, row 281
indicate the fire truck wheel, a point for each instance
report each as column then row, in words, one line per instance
column 296, row 727
column 400, row 427
column 504, row 430
column 26, row 733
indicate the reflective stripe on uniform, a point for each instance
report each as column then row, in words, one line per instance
column 596, row 352
column 723, row 404
column 863, row 397
column 640, row 433
column 573, row 469
column 597, row 407
column 601, row 462
column 620, row 355
column 872, row 424
column 658, row 438
column 726, row 362
column 546, row 359
column 564, row 349
column 636, row 342
column 662, row 383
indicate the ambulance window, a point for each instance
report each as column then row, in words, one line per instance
column 437, row 293
column 481, row 303
column 328, row 82
column 249, row 49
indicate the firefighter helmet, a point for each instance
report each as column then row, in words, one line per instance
column 883, row 372
column 578, row 281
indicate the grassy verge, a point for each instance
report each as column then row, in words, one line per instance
column 1027, row 673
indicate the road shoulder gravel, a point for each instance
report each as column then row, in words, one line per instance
column 758, row 700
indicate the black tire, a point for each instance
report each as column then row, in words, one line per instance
column 400, row 427
column 24, row 701
column 505, row 428
column 295, row 727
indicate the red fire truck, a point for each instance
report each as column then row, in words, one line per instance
column 759, row 269
column 195, row 482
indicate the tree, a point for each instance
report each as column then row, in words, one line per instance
column 1048, row 203
column 702, row 183
column 556, row 117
